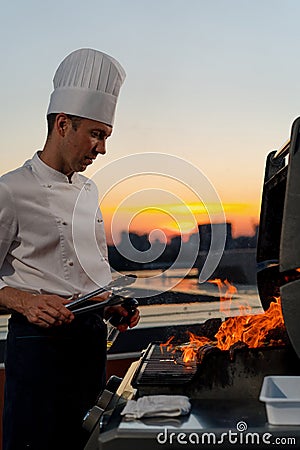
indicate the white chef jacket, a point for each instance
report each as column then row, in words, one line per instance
column 52, row 237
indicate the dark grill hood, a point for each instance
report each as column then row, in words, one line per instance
column 278, row 250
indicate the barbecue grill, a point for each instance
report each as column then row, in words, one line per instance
column 224, row 387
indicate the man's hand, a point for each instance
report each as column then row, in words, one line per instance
column 47, row 310
column 132, row 320
column 42, row 310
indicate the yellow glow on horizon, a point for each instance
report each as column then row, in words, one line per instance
column 174, row 219
column 182, row 209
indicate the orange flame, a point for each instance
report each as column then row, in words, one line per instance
column 249, row 329
column 226, row 291
column 166, row 344
column 190, row 350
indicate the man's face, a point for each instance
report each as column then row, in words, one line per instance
column 82, row 145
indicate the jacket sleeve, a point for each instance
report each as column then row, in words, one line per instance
column 8, row 225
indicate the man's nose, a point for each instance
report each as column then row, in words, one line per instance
column 101, row 147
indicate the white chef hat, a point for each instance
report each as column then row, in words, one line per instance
column 87, row 84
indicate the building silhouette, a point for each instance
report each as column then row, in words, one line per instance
column 237, row 264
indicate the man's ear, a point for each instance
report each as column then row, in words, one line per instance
column 62, row 124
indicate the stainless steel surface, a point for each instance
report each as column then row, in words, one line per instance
column 291, row 311
column 290, row 237
column 210, row 425
column 289, row 256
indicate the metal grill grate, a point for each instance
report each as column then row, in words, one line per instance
column 163, row 368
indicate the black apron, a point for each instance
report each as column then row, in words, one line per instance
column 53, row 377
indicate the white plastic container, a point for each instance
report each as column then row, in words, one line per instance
column 282, row 397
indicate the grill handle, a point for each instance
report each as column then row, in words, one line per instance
column 283, row 150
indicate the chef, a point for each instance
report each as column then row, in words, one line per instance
column 55, row 362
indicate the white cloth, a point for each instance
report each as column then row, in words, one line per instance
column 87, row 84
column 157, row 405
column 37, row 249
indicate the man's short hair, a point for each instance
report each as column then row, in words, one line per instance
column 52, row 117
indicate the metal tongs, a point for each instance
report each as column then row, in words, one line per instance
column 117, row 291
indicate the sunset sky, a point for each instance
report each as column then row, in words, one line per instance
column 215, row 83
